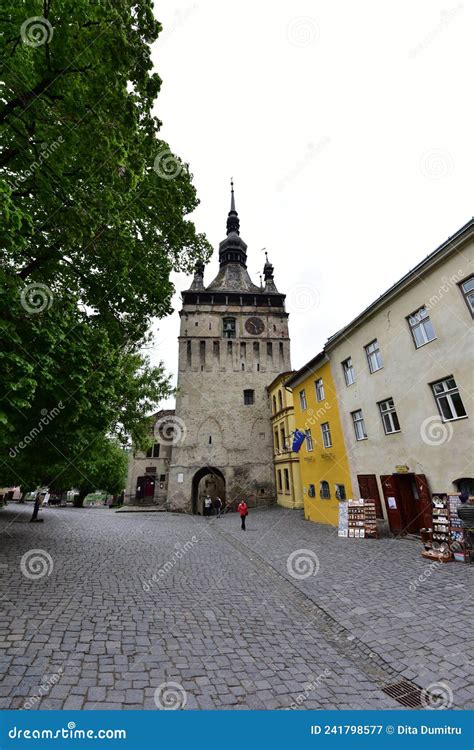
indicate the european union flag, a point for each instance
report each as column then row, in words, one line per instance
column 298, row 440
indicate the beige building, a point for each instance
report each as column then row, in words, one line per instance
column 148, row 471
column 289, row 492
column 403, row 371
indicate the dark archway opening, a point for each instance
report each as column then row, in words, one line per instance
column 207, row 481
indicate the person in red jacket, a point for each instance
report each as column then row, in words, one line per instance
column 244, row 511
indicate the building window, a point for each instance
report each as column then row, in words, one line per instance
column 162, row 477
column 467, row 289
column 154, row 451
column 229, row 328
column 283, row 440
column 202, row 353
column 340, row 492
column 312, row 490
column 280, row 400
column 389, row 416
column 359, row 426
column 287, row 480
column 326, row 433
column 229, row 348
column 269, row 349
column 249, row 397
column 309, row 440
column 324, row 491
column 449, row 400
column 277, row 440
column 303, row 403
column 274, row 402
column 319, row 389
column 421, row 327
column 348, row 370
column 188, row 352
column 216, row 349
column 280, row 486
column 374, row 357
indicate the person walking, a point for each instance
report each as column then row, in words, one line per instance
column 207, row 505
column 243, row 511
column 218, row 506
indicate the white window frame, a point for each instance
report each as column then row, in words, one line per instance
column 348, row 367
column 319, row 386
column 358, row 422
column 326, row 435
column 417, row 323
column 309, row 440
column 387, row 410
column 373, row 353
column 303, row 402
column 468, row 293
column 447, row 393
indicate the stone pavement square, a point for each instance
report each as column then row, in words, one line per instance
column 162, row 611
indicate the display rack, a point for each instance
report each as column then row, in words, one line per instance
column 457, row 535
column 436, row 539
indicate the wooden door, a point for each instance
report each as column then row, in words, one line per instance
column 392, row 498
column 425, row 500
column 369, row 490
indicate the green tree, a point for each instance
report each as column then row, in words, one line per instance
column 94, row 212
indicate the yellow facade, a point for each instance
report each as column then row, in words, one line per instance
column 287, row 474
column 323, row 462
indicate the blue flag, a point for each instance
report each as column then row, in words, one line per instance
column 298, row 440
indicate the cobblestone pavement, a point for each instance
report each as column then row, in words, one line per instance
column 132, row 611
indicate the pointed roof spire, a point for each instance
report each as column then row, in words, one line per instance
column 233, row 223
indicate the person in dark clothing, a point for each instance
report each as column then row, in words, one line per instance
column 243, row 511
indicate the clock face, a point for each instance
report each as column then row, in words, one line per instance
column 254, row 326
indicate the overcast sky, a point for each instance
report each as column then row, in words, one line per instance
column 347, row 127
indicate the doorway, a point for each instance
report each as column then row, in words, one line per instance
column 207, row 481
column 407, row 502
column 145, row 490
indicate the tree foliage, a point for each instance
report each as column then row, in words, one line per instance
column 94, row 212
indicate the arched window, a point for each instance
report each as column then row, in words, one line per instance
column 280, row 400
column 274, row 404
column 324, row 491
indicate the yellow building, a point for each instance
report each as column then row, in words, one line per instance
column 287, row 475
column 323, row 464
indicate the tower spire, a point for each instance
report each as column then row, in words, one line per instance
column 233, row 223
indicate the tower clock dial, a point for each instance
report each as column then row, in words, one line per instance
column 254, row 326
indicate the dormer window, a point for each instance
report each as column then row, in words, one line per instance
column 229, row 328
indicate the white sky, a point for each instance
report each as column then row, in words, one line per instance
column 347, row 127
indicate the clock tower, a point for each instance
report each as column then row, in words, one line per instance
column 233, row 341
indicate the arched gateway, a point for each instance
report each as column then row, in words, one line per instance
column 207, row 481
